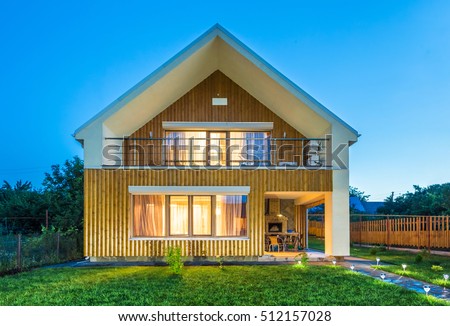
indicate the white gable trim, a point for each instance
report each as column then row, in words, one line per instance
column 189, row 190
column 229, row 126
column 239, row 47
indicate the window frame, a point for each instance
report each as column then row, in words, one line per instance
column 190, row 235
column 207, row 162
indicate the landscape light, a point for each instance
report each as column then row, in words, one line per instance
column 378, row 260
column 383, row 276
column 426, row 289
column 404, row 266
column 334, row 262
column 352, row 267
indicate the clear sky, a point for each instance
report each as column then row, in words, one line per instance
column 382, row 66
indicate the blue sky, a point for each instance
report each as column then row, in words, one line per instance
column 382, row 66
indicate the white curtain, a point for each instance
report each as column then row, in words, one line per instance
column 186, row 147
column 218, row 149
column 237, row 144
column 179, row 215
column 149, row 217
column 202, row 215
column 230, row 216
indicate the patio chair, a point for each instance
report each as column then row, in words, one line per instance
column 273, row 243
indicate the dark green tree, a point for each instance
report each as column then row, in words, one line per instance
column 22, row 208
column 431, row 200
column 64, row 190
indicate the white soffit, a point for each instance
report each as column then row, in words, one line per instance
column 216, row 49
column 188, row 190
column 229, row 126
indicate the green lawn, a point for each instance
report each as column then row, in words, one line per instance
column 233, row 285
column 420, row 271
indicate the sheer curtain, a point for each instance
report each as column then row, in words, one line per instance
column 237, row 148
column 186, row 147
column 218, row 149
column 230, row 215
column 201, row 215
column 149, row 217
column 179, row 215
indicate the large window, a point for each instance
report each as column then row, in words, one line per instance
column 217, row 148
column 189, row 215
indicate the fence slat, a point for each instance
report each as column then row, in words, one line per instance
column 395, row 230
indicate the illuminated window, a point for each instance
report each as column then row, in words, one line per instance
column 189, row 216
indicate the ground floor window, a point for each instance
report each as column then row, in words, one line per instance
column 189, row 215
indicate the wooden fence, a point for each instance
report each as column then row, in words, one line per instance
column 316, row 228
column 396, row 230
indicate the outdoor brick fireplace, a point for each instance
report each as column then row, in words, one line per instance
column 275, row 222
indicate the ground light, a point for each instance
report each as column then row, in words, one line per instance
column 426, row 288
column 383, row 276
column 404, row 267
column 352, row 267
column 378, row 260
column 334, row 262
column 445, row 279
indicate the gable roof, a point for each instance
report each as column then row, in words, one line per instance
column 215, row 49
column 371, row 207
column 356, row 203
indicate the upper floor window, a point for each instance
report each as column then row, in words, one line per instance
column 217, row 148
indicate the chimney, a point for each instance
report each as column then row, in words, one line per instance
column 274, row 206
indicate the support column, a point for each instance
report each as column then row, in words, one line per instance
column 337, row 215
column 302, row 223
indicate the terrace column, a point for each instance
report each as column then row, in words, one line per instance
column 337, row 215
column 301, row 221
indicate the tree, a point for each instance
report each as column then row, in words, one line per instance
column 21, row 200
column 355, row 192
column 431, row 200
column 64, row 188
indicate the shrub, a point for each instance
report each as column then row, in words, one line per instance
column 437, row 268
column 424, row 253
column 373, row 251
column 220, row 261
column 174, row 260
column 302, row 258
column 418, row 259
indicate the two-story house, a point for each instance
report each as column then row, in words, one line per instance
column 193, row 154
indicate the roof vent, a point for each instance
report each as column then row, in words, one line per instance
column 220, row 101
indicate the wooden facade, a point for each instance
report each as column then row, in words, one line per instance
column 196, row 105
column 108, row 208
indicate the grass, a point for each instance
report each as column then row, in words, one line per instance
column 420, row 271
column 233, row 285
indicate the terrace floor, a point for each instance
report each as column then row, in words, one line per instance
column 289, row 256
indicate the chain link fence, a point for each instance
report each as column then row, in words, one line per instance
column 23, row 252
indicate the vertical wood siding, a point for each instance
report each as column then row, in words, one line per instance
column 108, row 208
column 196, row 105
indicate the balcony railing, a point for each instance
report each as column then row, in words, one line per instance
column 310, row 153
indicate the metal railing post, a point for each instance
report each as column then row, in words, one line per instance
column 19, row 252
